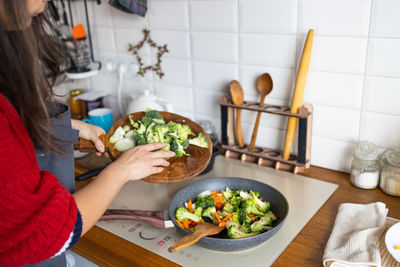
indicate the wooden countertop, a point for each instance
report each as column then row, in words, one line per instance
column 107, row 249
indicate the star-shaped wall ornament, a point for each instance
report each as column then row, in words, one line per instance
column 160, row 52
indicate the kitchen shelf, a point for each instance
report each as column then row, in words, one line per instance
column 266, row 156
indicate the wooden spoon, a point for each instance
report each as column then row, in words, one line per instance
column 200, row 230
column 237, row 98
column 264, row 86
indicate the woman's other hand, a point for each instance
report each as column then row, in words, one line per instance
column 90, row 132
column 141, row 161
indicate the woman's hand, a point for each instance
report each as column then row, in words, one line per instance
column 89, row 132
column 141, row 161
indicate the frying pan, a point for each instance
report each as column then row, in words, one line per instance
column 166, row 219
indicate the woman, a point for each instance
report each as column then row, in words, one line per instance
column 41, row 215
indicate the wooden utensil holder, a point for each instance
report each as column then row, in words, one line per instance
column 265, row 156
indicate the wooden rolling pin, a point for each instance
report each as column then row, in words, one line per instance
column 298, row 93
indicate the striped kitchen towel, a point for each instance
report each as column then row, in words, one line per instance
column 138, row 7
column 354, row 240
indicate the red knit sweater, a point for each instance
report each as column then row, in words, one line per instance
column 37, row 213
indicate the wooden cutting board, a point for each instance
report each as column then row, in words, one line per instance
column 180, row 169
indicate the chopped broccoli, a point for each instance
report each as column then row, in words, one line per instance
column 177, row 148
column 161, row 130
column 209, row 213
column 262, row 206
column 198, row 211
column 257, row 227
column 146, row 121
column 235, row 233
column 205, row 202
column 183, row 131
column 184, row 143
column 228, row 208
column 200, row 141
column 235, row 202
column 243, row 218
column 141, row 128
column 139, row 139
column 250, row 207
column 182, row 214
column 268, row 218
column 153, row 114
column 227, row 193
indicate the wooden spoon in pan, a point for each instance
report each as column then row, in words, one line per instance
column 200, row 230
column 264, row 86
column 237, row 98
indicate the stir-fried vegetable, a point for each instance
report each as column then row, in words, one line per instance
column 151, row 129
column 242, row 213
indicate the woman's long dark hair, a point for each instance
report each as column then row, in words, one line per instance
column 30, row 59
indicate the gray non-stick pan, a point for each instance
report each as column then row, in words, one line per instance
column 164, row 219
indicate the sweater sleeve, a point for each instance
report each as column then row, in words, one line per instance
column 38, row 215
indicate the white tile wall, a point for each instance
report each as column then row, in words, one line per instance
column 354, row 78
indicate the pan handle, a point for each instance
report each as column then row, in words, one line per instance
column 155, row 218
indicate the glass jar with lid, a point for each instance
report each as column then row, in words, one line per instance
column 390, row 175
column 365, row 167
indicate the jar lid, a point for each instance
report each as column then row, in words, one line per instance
column 394, row 157
column 366, row 151
column 75, row 92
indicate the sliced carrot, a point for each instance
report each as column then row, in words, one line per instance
column 218, row 199
column 226, row 217
column 180, row 224
column 186, row 224
column 214, row 192
column 190, row 206
column 217, row 217
column 251, row 215
column 260, row 198
column 222, row 224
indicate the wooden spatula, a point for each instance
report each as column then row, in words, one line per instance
column 200, row 230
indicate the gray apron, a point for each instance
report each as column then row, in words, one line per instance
column 62, row 166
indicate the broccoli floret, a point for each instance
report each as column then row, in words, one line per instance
column 153, row 114
column 243, row 218
column 184, row 143
column 228, row 209
column 184, row 131
column 142, row 128
column 184, row 214
column 139, row 139
column 205, row 202
column 198, row 211
column 261, row 205
column 268, row 218
column 200, row 141
column 235, row 202
column 250, row 207
column 227, row 193
column 161, row 130
column 177, row 148
column 209, row 213
column 146, row 121
column 256, row 194
column 257, row 227
column 234, row 232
